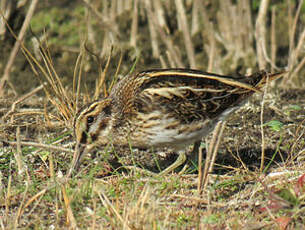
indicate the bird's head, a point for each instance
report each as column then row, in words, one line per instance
column 92, row 127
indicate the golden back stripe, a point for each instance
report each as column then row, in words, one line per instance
column 197, row 75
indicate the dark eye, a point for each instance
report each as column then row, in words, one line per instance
column 90, row 119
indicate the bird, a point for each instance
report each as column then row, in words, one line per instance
column 161, row 110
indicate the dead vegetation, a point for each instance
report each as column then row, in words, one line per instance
column 235, row 189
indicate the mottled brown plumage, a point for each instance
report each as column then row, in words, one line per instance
column 162, row 109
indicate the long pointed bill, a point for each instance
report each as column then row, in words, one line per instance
column 80, row 151
column 270, row 77
column 277, row 75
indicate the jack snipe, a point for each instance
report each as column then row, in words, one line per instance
column 162, row 109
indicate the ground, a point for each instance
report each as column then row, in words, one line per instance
column 237, row 194
column 36, row 134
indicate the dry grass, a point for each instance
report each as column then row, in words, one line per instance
column 37, row 141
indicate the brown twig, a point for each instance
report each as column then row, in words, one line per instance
column 19, row 153
column 39, row 145
column 22, row 98
column 262, row 126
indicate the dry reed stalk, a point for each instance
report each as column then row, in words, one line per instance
column 170, row 59
column 127, row 5
column 273, row 39
column 101, row 18
column 112, row 12
column 293, row 28
column 200, row 175
column 195, row 26
column 164, row 37
column 300, row 46
column 120, row 6
column 51, row 165
column 116, row 75
column 208, row 31
column 163, row 63
column 46, row 115
column 7, row 7
column 111, row 209
column 289, row 15
column 294, row 51
column 216, row 146
column 70, row 217
column 212, row 53
column 235, row 32
column 32, row 199
column 298, row 68
column 247, row 27
column 101, row 80
column 55, row 82
column 77, row 81
column 186, row 34
column 260, row 33
column 94, row 216
column 299, row 134
column 8, row 197
column 22, row 206
column 225, row 21
column 153, row 36
column 212, row 149
column 208, row 26
column 139, row 210
column 294, row 57
column 157, row 5
column 17, row 45
column 56, row 93
column 90, row 35
column 134, row 25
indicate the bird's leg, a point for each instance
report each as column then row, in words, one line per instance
column 192, row 158
column 179, row 161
